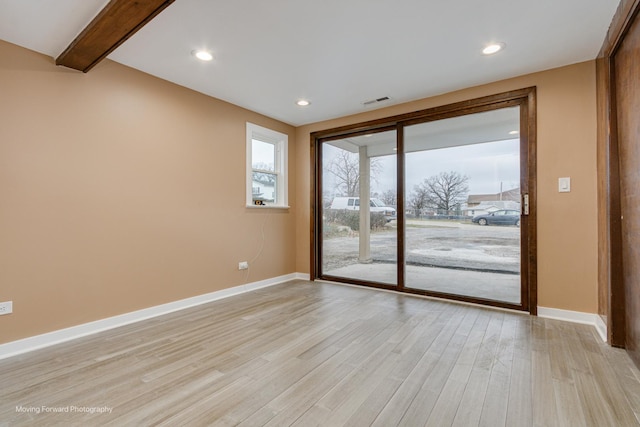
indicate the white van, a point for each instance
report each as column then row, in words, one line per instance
column 353, row 204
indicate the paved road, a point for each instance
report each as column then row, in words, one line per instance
column 446, row 244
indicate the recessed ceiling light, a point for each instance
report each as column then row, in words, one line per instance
column 302, row 103
column 202, row 55
column 514, row 132
column 493, row 48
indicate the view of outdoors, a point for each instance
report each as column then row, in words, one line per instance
column 263, row 164
column 462, row 206
column 348, row 251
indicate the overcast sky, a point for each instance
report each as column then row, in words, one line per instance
column 486, row 164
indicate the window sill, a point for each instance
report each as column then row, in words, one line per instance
column 267, row 207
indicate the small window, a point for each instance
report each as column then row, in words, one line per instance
column 350, row 202
column 267, row 180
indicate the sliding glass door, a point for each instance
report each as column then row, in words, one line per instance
column 434, row 203
column 359, row 201
column 463, row 205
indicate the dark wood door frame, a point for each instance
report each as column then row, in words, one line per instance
column 611, row 284
column 526, row 100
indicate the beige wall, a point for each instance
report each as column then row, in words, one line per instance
column 120, row 191
column 567, row 222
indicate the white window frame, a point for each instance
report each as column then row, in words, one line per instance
column 281, row 142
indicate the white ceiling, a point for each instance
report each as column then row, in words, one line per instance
column 335, row 53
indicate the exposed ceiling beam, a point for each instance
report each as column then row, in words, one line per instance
column 116, row 22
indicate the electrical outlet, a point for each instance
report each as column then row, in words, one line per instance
column 6, row 307
column 243, row 265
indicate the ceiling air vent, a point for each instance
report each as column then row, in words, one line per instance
column 375, row 101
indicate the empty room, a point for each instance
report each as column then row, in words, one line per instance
column 283, row 213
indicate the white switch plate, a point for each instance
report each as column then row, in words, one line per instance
column 564, row 184
column 243, row 265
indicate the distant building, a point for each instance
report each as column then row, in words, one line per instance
column 480, row 204
column 512, row 195
column 263, row 190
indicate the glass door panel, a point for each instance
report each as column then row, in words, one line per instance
column 462, row 204
column 359, row 201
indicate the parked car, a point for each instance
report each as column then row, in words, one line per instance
column 501, row 217
column 353, row 204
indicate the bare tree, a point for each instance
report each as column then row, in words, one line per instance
column 389, row 197
column 419, row 199
column 446, row 190
column 266, row 178
column 345, row 167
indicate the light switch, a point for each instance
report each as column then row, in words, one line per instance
column 564, row 185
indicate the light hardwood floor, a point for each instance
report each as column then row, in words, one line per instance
column 307, row 354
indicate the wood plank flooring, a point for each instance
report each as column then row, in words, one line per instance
column 306, row 354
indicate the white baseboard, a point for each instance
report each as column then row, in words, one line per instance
column 25, row 345
column 601, row 327
column 303, row 276
column 576, row 317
